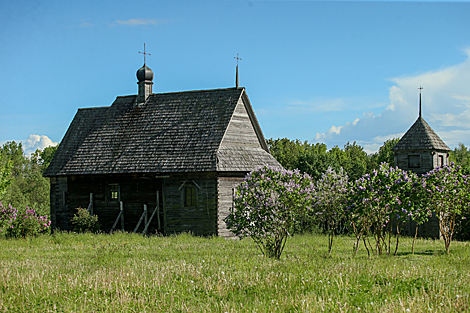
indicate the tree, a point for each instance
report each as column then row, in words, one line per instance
column 267, row 205
column 315, row 161
column 286, row 151
column 449, row 196
column 5, row 173
column 383, row 155
column 461, row 156
column 43, row 158
column 330, row 195
column 353, row 159
column 27, row 188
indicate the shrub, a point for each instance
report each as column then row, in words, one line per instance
column 84, row 222
column 267, row 205
column 379, row 199
column 330, row 194
column 7, row 220
column 15, row 224
column 448, row 192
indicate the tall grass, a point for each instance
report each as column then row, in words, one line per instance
column 69, row 272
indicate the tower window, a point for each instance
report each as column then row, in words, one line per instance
column 414, row 161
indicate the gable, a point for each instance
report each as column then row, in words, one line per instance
column 240, row 131
column 243, row 147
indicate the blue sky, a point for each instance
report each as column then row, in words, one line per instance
column 320, row 71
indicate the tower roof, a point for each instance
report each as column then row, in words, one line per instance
column 144, row 74
column 421, row 136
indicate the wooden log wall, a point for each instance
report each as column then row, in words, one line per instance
column 425, row 160
column 213, row 201
column 59, row 203
column 135, row 190
column 200, row 219
column 225, row 187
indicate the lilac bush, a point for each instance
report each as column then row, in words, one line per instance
column 448, row 193
column 267, row 205
column 331, row 191
column 379, row 200
column 419, row 199
column 7, row 219
column 16, row 224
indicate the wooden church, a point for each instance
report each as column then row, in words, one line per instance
column 420, row 150
column 158, row 162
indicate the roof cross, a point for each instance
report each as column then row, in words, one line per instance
column 236, row 76
column 238, row 58
column 144, row 53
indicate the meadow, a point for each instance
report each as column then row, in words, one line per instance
column 68, row 272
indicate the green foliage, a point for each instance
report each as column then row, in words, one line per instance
column 43, row 158
column 287, row 152
column 27, row 186
column 82, row 221
column 267, row 205
column 5, row 173
column 461, row 156
column 384, row 155
column 354, row 161
column 315, row 159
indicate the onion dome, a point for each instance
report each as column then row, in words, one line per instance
column 144, row 74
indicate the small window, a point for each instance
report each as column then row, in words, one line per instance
column 190, row 198
column 414, row 161
column 113, row 192
column 441, row 160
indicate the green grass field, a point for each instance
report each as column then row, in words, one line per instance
column 131, row 273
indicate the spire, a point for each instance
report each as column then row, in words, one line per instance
column 236, row 77
column 420, row 88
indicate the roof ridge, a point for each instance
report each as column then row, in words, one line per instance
column 188, row 91
column 94, row 108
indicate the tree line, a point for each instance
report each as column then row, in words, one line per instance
column 314, row 158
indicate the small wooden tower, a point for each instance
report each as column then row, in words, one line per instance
column 420, row 150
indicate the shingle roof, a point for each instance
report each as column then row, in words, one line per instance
column 171, row 132
column 420, row 136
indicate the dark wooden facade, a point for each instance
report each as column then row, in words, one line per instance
column 186, row 149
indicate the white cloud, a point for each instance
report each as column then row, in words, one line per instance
column 86, row 24
column 35, row 142
column 445, row 106
column 141, row 21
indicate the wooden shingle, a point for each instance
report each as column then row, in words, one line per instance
column 420, row 136
column 170, row 132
